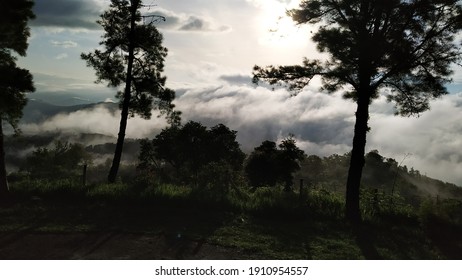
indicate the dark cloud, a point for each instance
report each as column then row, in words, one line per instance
column 194, row 24
column 184, row 22
column 66, row 13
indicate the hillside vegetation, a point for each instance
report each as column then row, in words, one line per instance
column 406, row 214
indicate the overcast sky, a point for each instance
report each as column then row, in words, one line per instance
column 213, row 45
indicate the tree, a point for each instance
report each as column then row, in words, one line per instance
column 61, row 161
column 133, row 55
column 290, row 157
column 190, row 148
column 403, row 48
column 261, row 166
column 268, row 166
column 14, row 81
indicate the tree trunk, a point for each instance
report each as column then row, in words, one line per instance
column 4, row 190
column 357, row 160
column 126, row 102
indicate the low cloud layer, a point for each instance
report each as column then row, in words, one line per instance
column 322, row 123
column 433, row 141
column 99, row 120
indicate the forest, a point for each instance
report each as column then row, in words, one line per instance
column 192, row 191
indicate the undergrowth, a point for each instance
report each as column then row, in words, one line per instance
column 266, row 222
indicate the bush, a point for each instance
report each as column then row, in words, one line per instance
column 326, row 203
column 448, row 211
column 375, row 203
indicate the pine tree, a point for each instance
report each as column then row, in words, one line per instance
column 133, row 55
column 406, row 47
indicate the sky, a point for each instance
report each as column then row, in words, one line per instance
column 213, row 46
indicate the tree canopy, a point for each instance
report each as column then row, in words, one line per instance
column 190, row 148
column 268, row 166
column 14, row 81
column 404, row 49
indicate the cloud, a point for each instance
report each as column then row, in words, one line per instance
column 433, row 139
column 66, row 13
column 188, row 22
column 322, row 123
column 100, row 119
column 259, row 113
column 237, row 79
column 64, row 44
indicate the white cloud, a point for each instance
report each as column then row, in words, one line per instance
column 99, row 120
column 433, row 139
column 322, row 124
column 64, row 44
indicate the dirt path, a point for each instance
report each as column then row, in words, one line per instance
column 107, row 245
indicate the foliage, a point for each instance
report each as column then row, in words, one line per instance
column 268, row 166
column 406, row 46
column 14, row 81
column 147, row 87
column 445, row 210
column 191, row 153
column 265, row 223
column 62, row 161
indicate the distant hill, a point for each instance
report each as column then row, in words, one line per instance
column 37, row 111
column 383, row 174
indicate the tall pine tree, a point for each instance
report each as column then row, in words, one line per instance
column 14, row 81
column 133, row 55
column 404, row 46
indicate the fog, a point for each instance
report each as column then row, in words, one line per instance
column 322, row 123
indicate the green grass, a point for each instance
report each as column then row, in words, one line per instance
column 267, row 223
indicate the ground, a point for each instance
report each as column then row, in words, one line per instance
column 108, row 245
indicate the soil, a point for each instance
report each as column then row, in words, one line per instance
column 107, row 245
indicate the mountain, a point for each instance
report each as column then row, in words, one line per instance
column 37, row 111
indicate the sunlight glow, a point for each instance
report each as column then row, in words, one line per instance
column 277, row 29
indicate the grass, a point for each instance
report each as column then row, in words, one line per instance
column 262, row 224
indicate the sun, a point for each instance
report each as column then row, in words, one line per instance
column 277, row 29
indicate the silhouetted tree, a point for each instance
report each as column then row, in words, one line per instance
column 133, row 55
column 261, row 166
column 290, row 157
column 268, row 166
column 190, row 148
column 406, row 47
column 14, row 81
